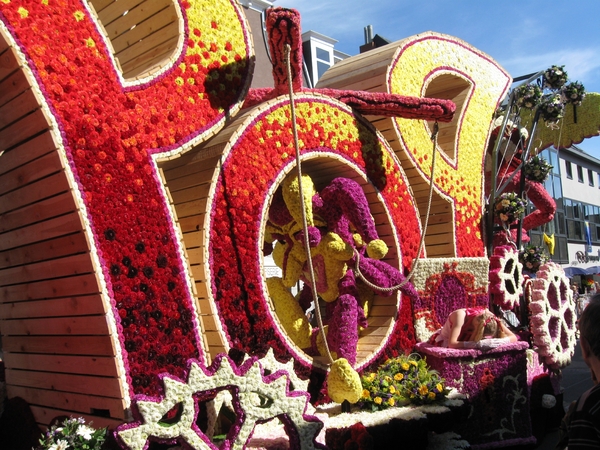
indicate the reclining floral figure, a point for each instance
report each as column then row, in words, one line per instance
column 341, row 230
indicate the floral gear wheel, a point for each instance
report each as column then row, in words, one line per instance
column 506, row 278
column 256, row 398
column 552, row 316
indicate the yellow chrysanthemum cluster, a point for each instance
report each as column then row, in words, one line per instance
column 458, row 175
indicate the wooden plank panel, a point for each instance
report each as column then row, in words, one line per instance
column 56, row 268
column 183, row 166
column 181, row 180
column 23, row 129
column 215, row 350
column 28, row 151
column 370, row 342
column 62, row 326
column 58, row 307
column 64, row 287
column 58, row 205
column 114, row 10
column 383, row 311
column 12, row 86
column 193, row 208
column 8, row 63
column 213, row 338
column 443, row 228
column 59, row 345
column 204, row 306
column 150, row 47
column 438, row 239
column 65, row 400
column 392, row 300
column 149, row 58
column 85, row 365
column 439, row 251
column 440, row 218
column 99, row 5
column 143, row 29
column 193, row 239
column 20, row 106
column 209, row 322
column 373, row 331
column 81, row 384
column 375, row 72
column 190, row 193
column 33, row 171
column 3, row 44
column 196, row 255
column 192, row 223
column 380, row 321
column 201, row 288
column 137, row 15
column 55, row 248
column 44, row 416
column 50, row 229
column 198, row 272
column 34, row 192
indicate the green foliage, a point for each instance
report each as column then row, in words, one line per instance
column 401, row 381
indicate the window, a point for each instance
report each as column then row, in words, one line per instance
column 574, row 230
column 577, row 216
column 577, row 213
column 568, row 208
column 323, row 59
column 560, row 222
column 580, row 174
column 599, row 179
column 569, row 170
column 323, row 55
column 590, row 177
column 322, row 68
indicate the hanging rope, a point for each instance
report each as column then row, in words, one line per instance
column 422, row 241
column 311, row 271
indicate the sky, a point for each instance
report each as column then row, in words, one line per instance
column 524, row 36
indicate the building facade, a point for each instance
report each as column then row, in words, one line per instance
column 574, row 183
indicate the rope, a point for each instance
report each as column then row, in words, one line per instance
column 311, row 272
column 422, row 241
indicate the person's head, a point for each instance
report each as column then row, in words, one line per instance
column 589, row 330
column 485, row 326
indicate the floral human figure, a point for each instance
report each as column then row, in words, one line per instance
column 341, row 230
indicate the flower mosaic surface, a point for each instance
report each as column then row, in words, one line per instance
column 444, row 285
column 238, row 217
column 506, row 277
column 257, row 397
column 108, row 131
column 552, row 316
column 417, row 63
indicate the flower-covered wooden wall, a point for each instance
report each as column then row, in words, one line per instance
column 97, row 296
column 138, row 200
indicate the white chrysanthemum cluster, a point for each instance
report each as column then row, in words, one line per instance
column 251, row 386
column 506, row 277
column 552, row 312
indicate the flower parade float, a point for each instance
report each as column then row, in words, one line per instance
column 143, row 183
